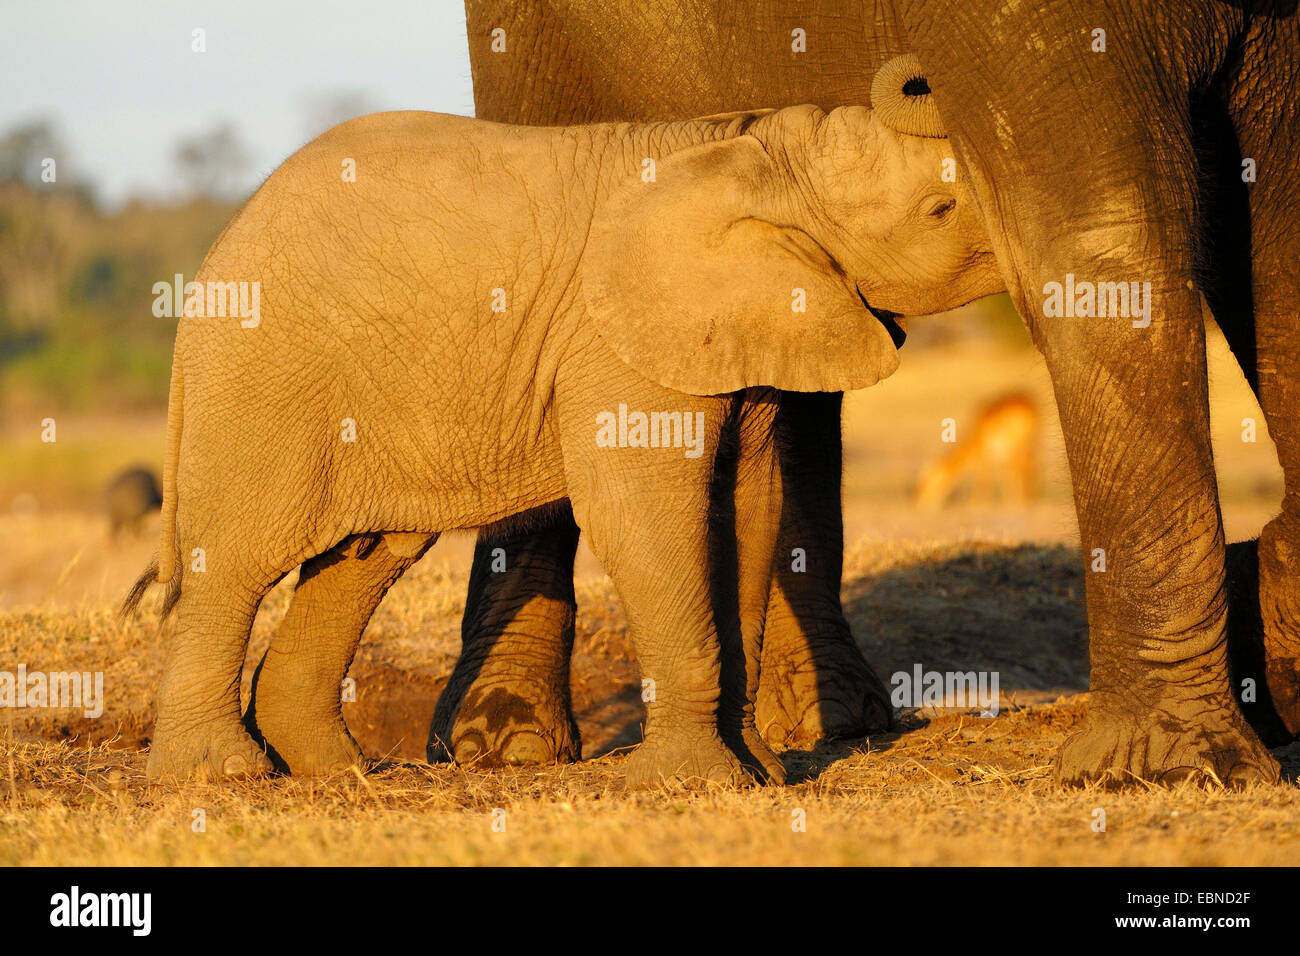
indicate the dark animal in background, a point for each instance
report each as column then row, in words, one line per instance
column 129, row 498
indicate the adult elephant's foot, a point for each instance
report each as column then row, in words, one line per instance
column 504, row 724
column 1283, row 676
column 207, row 751
column 1279, row 607
column 689, row 761
column 818, row 690
column 1206, row 740
column 507, row 702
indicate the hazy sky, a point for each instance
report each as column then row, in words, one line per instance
column 121, row 82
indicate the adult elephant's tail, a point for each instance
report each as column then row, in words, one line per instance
column 900, row 95
column 166, row 568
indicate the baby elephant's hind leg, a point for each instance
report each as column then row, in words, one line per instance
column 198, row 732
column 296, row 705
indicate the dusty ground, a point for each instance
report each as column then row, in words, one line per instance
column 978, row 587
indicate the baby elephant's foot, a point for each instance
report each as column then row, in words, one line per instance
column 757, row 757
column 204, row 752
column 329, row 751
column 505, row 726
column 307, row 747
column 694, row 761
column 1198, row 741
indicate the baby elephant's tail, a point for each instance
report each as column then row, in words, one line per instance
column 165, row 569
column 141, row 585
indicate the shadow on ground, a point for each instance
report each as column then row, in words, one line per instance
column 1014, row 610
column 1017, row 610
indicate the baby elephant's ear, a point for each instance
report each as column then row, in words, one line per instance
column 697, row 283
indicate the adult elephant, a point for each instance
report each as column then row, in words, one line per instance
column 1104, row 141
column 1107, row 142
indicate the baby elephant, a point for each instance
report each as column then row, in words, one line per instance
column 129, row 498
column 446, row 322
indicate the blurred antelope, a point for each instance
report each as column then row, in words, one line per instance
column 996, row 455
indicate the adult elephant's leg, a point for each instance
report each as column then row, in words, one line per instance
column 1227, row 287
column 746, row 517
column 1133, row 400
column 1233, row 216
column 1147, row 504
column 815, row 682
column 295, row 707
column 508, row 701
column 1271, row 136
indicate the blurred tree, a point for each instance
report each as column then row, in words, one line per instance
column 212, row 164
column 25, row 147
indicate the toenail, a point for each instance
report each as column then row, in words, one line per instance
column 235, row 764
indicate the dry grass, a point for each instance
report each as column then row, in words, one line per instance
column 978, row 588
column 953, row 791
column 949, row 787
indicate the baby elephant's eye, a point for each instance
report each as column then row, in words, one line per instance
column 942, row 209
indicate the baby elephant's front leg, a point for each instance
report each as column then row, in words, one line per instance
column 661, row 572
column 746, row 519
column 646, row 512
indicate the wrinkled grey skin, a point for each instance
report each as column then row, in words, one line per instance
column 375, row 318
column 1082, row 162
column 1097, row 177
column 129, row 498
column 508, row 699
column 499, row 705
